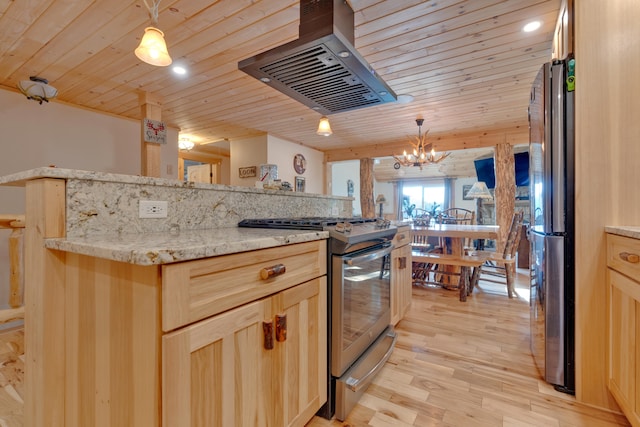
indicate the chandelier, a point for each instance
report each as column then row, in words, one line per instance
column 423, row 153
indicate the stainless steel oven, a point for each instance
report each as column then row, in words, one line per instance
column 360, row 337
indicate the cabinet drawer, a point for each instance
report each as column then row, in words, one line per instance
column 195, row 290
column 623, row 255
column 402, row 237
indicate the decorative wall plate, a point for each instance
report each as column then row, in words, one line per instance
column 299, row 163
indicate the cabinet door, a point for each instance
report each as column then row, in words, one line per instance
column 623, row 339
column 300, row 357
column 404, row 266
column 400, row 282
column 214, row 372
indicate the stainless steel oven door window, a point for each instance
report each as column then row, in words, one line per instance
column 361, row 304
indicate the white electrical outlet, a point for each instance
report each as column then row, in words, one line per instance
column 152, row 209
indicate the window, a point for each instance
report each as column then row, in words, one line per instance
column 428, row 196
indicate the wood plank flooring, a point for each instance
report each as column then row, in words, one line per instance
column 467, row 364
column 456, row 364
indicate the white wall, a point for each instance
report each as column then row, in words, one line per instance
column 269, row 149
column 281, row 152
column 458, row 201
column 386, row 189
column 54, row 133
column 341, row 172
column 34, row 135
column 245, row 153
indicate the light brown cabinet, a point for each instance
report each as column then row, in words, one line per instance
column 623, row 285
column 183, row 345
column 401, row 274
column 227, row 371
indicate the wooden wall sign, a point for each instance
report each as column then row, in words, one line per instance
column 154, row 131
column 247, row 172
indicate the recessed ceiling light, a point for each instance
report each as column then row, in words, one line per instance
column 344, row 54
column 180, row 70
column 531, row 26
column 404, row 99
column 265, row 79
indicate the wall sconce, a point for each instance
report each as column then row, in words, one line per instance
column 185, row 143
column 152, row 48
column 324, row 128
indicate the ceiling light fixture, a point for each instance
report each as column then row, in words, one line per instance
column 38, row 89
column 185, row 143
column 324, row 128
column 180, row 70
column 152, row 48
column 531, row 26
column 423, row 153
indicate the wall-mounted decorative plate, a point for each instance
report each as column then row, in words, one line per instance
column 299, row 163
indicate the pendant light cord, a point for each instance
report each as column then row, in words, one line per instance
column 153, row 11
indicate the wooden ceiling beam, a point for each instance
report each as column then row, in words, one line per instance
column 454, row 141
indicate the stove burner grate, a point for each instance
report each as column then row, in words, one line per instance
column 307, row 223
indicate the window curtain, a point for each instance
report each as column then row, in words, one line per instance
column 448, row 183
column 399, row 207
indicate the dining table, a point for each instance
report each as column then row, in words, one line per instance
column 454, row 236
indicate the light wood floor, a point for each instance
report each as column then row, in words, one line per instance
column 467, row 364
column 456, row 364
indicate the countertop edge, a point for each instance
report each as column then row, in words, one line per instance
column 166, row 248
column 19, row 179
column 622, row 230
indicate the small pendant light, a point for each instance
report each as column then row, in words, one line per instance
column 152, row 48
column 324, row 128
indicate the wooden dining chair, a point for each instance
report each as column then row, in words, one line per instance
column 457, row 216
column 16, row 224
column 501, row 267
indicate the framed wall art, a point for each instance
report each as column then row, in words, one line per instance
column 299, row 163
column 465, row 191
column 300, row 184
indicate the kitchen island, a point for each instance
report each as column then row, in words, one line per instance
column 186, row 320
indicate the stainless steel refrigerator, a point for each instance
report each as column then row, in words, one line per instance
column 551, row 233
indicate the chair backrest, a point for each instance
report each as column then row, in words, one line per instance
column 422, row 218
column 456, row 216
column 513, row 238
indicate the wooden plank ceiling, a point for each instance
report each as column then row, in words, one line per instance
column 468, row 65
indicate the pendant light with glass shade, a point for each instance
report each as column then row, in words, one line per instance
column 152, row 48
column 324, row 128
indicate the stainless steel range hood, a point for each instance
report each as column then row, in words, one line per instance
column 321, row 69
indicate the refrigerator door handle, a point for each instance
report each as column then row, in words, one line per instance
column 558, row 142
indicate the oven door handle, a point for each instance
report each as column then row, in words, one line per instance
column 368, row 256
column 355, row 384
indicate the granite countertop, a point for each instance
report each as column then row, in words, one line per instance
column 164, row 248
column 622, row 230
column 19, row 179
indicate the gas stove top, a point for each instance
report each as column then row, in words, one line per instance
column 304, row 223
column 347, row 230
